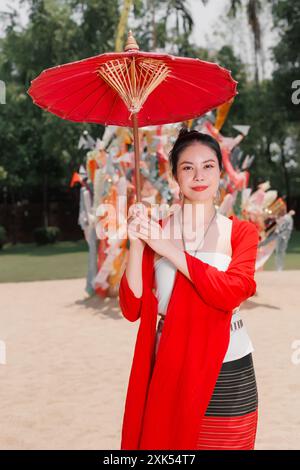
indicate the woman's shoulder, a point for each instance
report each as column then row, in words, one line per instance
column 246, row 224
column 244, row 230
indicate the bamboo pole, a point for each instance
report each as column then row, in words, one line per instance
column 136, row 144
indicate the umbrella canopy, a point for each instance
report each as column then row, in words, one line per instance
column 133, row 88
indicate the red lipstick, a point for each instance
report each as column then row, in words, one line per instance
column 199, row 188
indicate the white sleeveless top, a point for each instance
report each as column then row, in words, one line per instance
column 240, row 344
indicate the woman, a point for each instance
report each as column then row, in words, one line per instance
column 192, row 383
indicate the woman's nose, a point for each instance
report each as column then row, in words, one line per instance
column 198, row 176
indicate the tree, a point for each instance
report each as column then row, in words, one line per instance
column 253, row 8
column 287, row 73
column 164, row 24
column 286, row 56
column 39, row 150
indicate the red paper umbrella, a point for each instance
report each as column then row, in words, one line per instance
column 133, row 88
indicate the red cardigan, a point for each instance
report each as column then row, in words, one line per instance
column 165, row 403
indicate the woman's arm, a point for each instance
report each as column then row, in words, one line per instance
column 131, row 283
column 134, row 267
column 224, row 290
column 131, row 288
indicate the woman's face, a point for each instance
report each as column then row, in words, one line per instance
column 198, row 167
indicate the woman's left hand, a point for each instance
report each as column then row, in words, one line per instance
column 151, row 232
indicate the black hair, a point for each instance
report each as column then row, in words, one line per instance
column 187, row 137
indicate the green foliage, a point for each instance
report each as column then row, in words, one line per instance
column 164, row 24
column 45, row 235
column 267, row 107
column 39, row 150
column 2, row 236
column 287, row 55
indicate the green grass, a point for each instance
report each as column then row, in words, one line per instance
column 69, row 260
column 29, row 262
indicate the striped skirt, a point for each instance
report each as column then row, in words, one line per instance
column 230, row 420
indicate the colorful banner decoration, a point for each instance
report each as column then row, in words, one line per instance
column 108, row 174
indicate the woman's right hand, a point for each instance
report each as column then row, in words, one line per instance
column 133, row 222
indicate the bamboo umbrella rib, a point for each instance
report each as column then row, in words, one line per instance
column 156, row 79
column 133, row 76
column 145, row 75
column 112, row 78
column 134, row 81
column 126, row 81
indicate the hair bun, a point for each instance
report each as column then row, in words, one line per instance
column 185, row 131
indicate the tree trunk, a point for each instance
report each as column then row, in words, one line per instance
column 45, row 200
column 14, row 216
column 286, row 176
column 154, row 41
column 256, row 75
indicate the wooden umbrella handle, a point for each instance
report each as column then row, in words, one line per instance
column 136, row 144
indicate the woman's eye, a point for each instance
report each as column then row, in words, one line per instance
column 205, row 166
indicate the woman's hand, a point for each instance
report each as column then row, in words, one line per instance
column 150, row 231
column 133, row 222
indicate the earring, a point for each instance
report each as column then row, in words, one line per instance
column 217, row 197
column 180, row 194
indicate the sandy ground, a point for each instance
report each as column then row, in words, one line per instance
column 68, row 361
